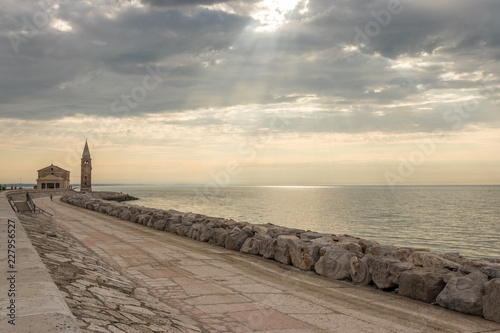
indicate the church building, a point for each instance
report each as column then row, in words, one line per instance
column 52, row 177
column 86, row 173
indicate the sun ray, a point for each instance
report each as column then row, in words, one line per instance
column 272, row 14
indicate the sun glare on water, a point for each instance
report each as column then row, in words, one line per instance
column 272, row 14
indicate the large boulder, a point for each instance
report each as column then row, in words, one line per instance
column 251, row 245
column 109, row 209
column 125, row 213
column 266, row 246
column 133, row 216
column 386, row 272
column 492, row 272
column 194, row 231
column 334, row 262
column 171, row 221
column 260, row 229
column 160, row 224
column 422, row 284
column 274, row 231
column 304, row 255
column 102, row 208
column 173, row 227
column 293, row 232
column 404, row 253
column 360, row 271
column 281, row 249
column 254, row 244
column 310, row 235
column 352, row 247
column 365, row 244
column 182, row 229
column 206, row 233
column 143, row 219
column 96, row 204
column 155, row 217
column 219, row 236
column 464, row 294
column 115, row 211
column 324, row 241
column 236, row 238
column 491, row 300
column 380, row 250
column 432, row 260
column 470, row 266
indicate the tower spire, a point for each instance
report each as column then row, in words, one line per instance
column 86, row 151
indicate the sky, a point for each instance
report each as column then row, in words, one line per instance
column 261, row 92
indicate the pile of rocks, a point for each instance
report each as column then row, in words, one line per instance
column 112, row 196
column 451, row 281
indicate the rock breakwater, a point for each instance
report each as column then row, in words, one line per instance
column 448, row 280
column 112, row 196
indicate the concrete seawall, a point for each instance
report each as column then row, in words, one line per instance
column 29, row 301
column 451, row 281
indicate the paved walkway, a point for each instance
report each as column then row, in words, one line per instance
column 101, row 299
column 29, row 299
column 227, row 291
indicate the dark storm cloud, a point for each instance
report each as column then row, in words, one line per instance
column 396, row 27
column 211, row 58
column 418, row 30
column 84, row 69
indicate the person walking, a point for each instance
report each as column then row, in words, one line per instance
column 51, row 197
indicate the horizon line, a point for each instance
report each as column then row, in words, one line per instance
column 246, row 185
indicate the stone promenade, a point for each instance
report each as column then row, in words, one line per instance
column 99, row 297
column 226, row 291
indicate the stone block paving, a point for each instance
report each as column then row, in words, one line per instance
column 218, row 290
column 99, row 296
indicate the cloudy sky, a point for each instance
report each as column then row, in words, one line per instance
column 274, row 92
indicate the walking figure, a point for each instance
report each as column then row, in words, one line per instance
column 50, row 197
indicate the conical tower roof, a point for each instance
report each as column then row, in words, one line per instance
column 86, row 151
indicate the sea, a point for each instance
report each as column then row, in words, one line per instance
column 446, row 219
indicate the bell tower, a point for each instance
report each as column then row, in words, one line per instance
column 86, row 174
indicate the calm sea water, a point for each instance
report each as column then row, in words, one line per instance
column 448, row 219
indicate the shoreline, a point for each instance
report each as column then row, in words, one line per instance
column 339, row 257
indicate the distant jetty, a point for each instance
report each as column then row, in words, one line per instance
column 113, row 196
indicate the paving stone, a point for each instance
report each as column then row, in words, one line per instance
column 93, row 289
column 115, row 329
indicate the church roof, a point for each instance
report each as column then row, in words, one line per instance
column 52, row 167
column 86, row 151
